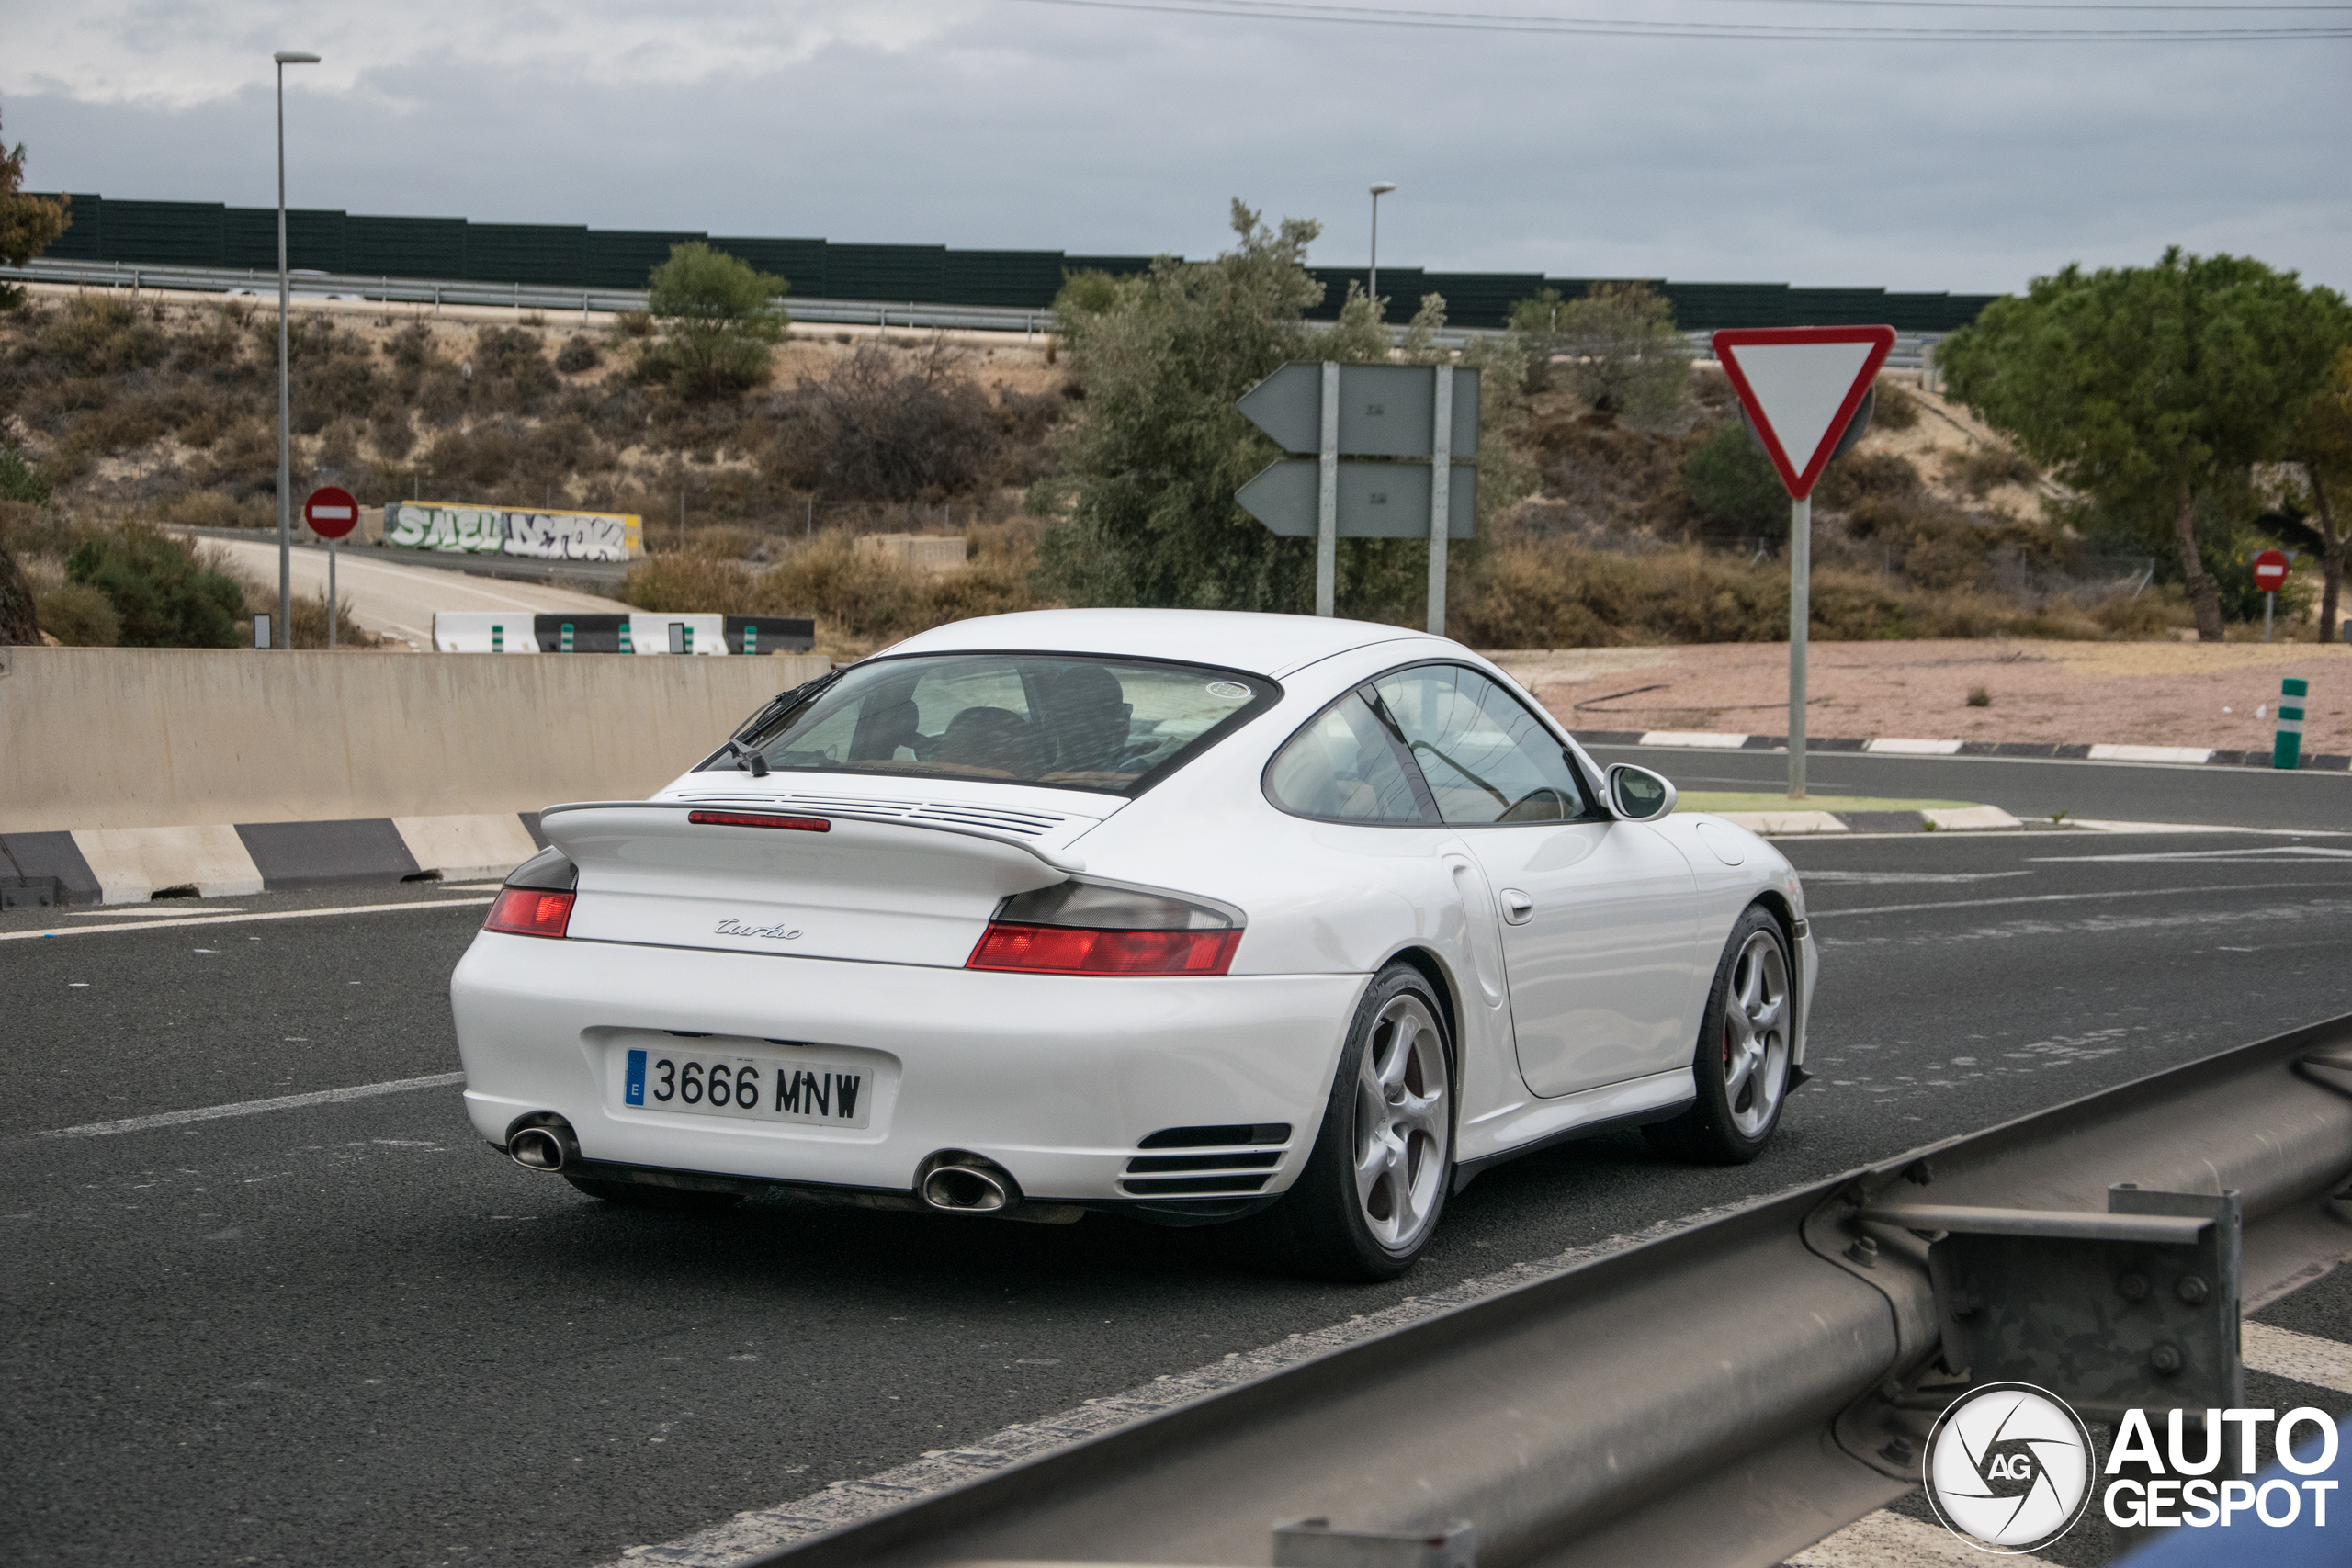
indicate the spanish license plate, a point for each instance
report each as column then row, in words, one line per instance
column 804, row 1087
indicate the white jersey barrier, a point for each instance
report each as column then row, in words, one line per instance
column 481, row 631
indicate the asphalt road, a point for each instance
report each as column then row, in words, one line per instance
column 350, row 1333
column 398, row 599
column 2129, row 792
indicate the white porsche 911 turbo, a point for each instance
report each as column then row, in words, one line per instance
column 1183, row 914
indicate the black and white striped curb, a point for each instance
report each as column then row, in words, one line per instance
column 129, row 866
column 1888, row 746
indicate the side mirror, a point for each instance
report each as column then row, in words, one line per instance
column 1638, row 794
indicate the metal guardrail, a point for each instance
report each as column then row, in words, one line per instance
column 912, row 315
column 1725, row 1395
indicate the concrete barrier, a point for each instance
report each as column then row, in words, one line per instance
column 98, row 740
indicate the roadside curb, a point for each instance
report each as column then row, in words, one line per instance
column 1887, row 746
column 1946, row 820
column 130, row 865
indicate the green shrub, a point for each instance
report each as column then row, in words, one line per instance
column 78, row 616
column 19, row 480
column 1981, row 470
column 579, row 352
column 1895, row 409
column 162, row 594
column 1865, row 476
column 1733, row 485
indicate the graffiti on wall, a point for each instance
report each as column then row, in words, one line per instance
column 541, row 535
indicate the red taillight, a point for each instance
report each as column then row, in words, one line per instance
column 529, row 911
column 1068, row 950
column 759, row 819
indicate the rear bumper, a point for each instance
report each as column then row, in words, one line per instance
column 1055, row 1078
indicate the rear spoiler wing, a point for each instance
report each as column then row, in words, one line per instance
column 1053, row 858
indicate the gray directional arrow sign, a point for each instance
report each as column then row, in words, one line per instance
column 1335, row 410
column 1378, row 501
column 1386, row 411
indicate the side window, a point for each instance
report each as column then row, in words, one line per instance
column 1485, row 757
column 1343, row 764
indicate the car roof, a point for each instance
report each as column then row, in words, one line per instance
column 1259, row 644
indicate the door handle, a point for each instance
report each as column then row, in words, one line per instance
column 1518, row 907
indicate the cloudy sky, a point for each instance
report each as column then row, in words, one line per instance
column 1522, row 143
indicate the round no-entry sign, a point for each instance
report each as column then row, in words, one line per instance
column 2270, row 571
column 331, row 512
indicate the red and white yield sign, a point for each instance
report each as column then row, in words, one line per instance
column 1802, row 385
column 331, row 512
column 2270, row 571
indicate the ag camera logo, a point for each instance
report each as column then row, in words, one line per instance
column 2010, row 1468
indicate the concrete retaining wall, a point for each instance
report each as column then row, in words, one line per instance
column 95, row 739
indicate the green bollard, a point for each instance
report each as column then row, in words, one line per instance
column 567, row 637
column 686, row 639
column 624, row 642
column 2287, row 750
column 751, row 640
column 497, row 636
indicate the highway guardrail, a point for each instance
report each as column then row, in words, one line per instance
column 1731, row 1392
column 915, row 315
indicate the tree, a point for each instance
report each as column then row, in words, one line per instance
column 2320, row 443
column 2147, row 387
column 1625, row 355
column 1536, row 323
column 718, row 318
column 1145, row 505
column 1143, row 510
column 28, row 224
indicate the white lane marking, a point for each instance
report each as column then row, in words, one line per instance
column 1895, row 746
column 1879, row 1540
column 1876, row 878
column 2306, row 1358
column 2104, row 825
column 2067, row 897
column 2265, row 854
column 137, row 914
column 241, row 919
column 1710, row 740
column 763, row 1530
column 253, row 1107
column 2150, row 754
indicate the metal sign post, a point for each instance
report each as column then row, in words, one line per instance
column 1441, row 492
column 1800, row 630
column 1334, row 414
column 1326, row 497
column 2270, row 575
column 1807, row 395
column 331, row 512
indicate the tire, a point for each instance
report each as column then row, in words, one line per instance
column 1742, row 1062
column 642, row 1195
column 1369, row 1199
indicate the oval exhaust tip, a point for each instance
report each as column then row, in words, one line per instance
column 536, row 1148
column 965, row 1188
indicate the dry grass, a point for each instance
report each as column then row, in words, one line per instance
column 860, row 600
column 1557, row 593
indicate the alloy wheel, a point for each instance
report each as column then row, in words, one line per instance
column 1403, row 1123
column 1756, row 1034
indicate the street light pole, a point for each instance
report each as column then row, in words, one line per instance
column 1379, row 189
column 284, row 58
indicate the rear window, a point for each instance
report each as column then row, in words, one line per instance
column 1061, row 721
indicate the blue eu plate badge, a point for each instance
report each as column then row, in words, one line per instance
column 634, row 1093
